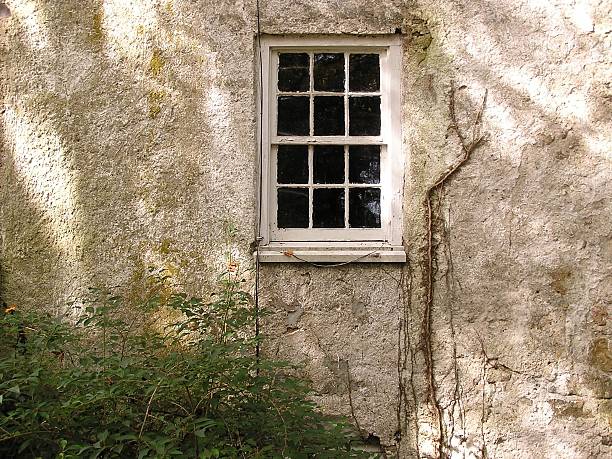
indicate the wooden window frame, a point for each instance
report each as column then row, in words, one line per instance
column 338, row 244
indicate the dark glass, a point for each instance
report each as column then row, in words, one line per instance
column 292, row 164
column 328, row 115
column 328, row 208
column 364, row 207
column 293, row 115
column 364, row 164
column 364, row 115
column 292, row 209
column 329, row 72
column 364, row 72
column 293, row 72
column 328, row 164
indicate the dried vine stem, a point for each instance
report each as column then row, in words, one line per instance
column 407, row 416
column 350, row 397
column 450, row 281
column 467, row 147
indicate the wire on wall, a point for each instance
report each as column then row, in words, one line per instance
column 258, row 238
column 335, row 265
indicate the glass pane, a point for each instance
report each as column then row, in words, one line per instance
column 328, row 208
column 292, row 164
column 364, row 72
column 329, row 115
column 292, row 209
column 364, row 163
column 364, row 207
column 364, row 115
column 293, row 72
column 328, row 164
column 293, row 115
column 329, row 72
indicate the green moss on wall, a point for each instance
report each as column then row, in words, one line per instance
column 96, row 34
column 154, row 99
column 157, row 63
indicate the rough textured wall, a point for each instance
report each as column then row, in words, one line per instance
column 129, row 141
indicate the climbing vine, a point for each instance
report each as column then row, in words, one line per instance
column 469, row 140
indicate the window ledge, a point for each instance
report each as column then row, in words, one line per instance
column 328, row 253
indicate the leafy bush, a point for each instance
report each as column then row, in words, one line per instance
column 134, row 382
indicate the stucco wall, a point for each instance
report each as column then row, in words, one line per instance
column 129, row 141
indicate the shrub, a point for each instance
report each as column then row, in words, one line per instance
column 133, row 382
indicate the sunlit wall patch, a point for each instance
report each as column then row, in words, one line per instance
column 125, row 24
column 45, row 173
column 30, row 16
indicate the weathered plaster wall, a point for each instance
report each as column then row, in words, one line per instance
column 129, row 141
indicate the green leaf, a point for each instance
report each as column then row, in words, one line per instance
column 127, row 437
column 82, row 450
column 204, row 361
column 24, row 445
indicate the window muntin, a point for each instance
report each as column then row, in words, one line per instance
column 323, row 76
column 323, row 94
column 335, row 175
column 329, row 124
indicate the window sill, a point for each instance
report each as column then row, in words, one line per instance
column 331, row 253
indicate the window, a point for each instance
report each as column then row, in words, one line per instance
column 332, row 168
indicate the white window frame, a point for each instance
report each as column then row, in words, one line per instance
column 339, row 244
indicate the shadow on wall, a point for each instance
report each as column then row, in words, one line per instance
column 529, row 210
column 528, row 206
column 107, row 136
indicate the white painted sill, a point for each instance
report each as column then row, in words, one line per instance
column 292, row 252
